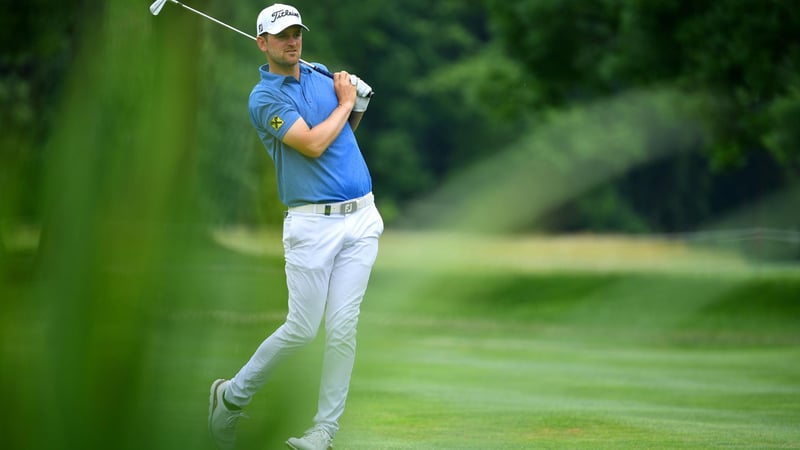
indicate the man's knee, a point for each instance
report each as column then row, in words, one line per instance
column 300, row 334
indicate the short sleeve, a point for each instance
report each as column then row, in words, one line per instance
column 272, row 115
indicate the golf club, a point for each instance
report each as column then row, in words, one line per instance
column 155, row 8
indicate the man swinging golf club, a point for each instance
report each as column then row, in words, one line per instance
column 330, row 232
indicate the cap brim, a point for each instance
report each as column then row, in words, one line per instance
column 287, row 26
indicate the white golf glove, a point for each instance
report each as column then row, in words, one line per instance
column 362, row 88
column 363, row 94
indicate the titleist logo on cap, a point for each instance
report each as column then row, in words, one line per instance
column 283, row 13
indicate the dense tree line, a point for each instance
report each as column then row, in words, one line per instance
column 745, row 53
column 458, row 82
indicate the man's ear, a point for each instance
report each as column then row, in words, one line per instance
column 262, row 43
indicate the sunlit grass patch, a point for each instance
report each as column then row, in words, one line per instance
column 440, row 251
column 598, row 253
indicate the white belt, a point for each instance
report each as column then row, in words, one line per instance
column 341, row 208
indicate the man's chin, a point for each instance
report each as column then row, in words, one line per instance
column 288, row 63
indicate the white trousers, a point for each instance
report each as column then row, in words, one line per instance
column 328, row 263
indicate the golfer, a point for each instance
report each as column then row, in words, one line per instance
column 330, row 231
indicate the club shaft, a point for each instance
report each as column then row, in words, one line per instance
column 318, row 69
column 214, row 20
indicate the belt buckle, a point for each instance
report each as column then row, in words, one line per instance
column 349, row 207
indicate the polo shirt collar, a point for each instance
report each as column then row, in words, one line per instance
column 277, row 80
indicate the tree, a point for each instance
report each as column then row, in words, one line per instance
column 747, row 52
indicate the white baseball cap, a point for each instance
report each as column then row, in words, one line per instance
column 276, row 18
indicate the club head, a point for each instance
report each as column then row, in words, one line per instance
column 155, row 8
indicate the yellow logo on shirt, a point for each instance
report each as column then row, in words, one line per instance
column 276, row 123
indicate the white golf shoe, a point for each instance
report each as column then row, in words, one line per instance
column 221, row 420
column 314, row 439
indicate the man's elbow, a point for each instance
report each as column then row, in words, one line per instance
column 314, row 151
column 305, row 141
column 308, row 147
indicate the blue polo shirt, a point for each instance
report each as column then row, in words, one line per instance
column 276, row 102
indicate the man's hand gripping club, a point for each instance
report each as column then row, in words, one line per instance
column 349, row 88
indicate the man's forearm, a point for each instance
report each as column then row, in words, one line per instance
column 313, row 142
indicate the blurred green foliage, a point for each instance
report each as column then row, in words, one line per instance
column 117, row 177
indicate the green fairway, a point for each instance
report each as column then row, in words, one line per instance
column 464, row 343
column 520, row 358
